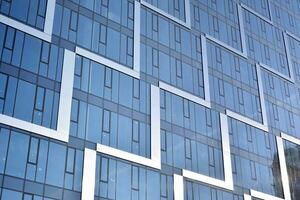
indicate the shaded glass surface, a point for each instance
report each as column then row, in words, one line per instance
column 113, row 108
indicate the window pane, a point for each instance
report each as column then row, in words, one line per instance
column 56, row 164
column 11, row 195
column 25, row 96
column 17, row 154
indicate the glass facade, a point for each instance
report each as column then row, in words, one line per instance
column 149, row 99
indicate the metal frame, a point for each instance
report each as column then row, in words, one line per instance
column 184, row 94
column 205, row 70
column 260, row 195
column 264, row 125
column 243, row 51
column 137, row 37
column 107, row 62
column 186, row 23
column 290, row 77
column 135, row 72
column 288, row 57
column 242, row 31
column 226, row 46
column 62, row 132
column 155, row 160
column 204, row 102
column 283, row 170
column 227, row 183
column 48, row 26
column 256, row 13
column 64, row 110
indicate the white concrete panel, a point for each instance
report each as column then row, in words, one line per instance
column 49, row 19
column 136, row 36
column 247, row 197
column 89, row 173
column 155, row 126
column 66, row 93
column 178, row 187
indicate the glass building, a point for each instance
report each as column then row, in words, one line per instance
column 149, row 99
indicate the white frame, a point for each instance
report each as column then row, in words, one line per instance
column 107, row 62
column 186, row 23
column 243, row 51
column 227, row 183
column 290, row 77
column 65, row 101
column 226, row 46
column 184, row 94
column 256, row 13
column 283, row 170
column 178, row 187
column 135, row 72
column 48, row 25
column 268, row 68
column 264, row 125
column 89, row 174
column 154, row 161
column 64, row 110
column 205, row 71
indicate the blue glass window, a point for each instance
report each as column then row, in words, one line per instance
column 174, row 8
column 116, row 179
column 10, row 194
column 41, row 103
column 104, row 82
column 31, row 12
column 56, row 164
column 43, row 58
column 97, row 35
column 25, row 94
column 16, row 156
column 112, row 128
column 223, row 26
column 40, row 161
column 259, row 166
column 292, row 159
